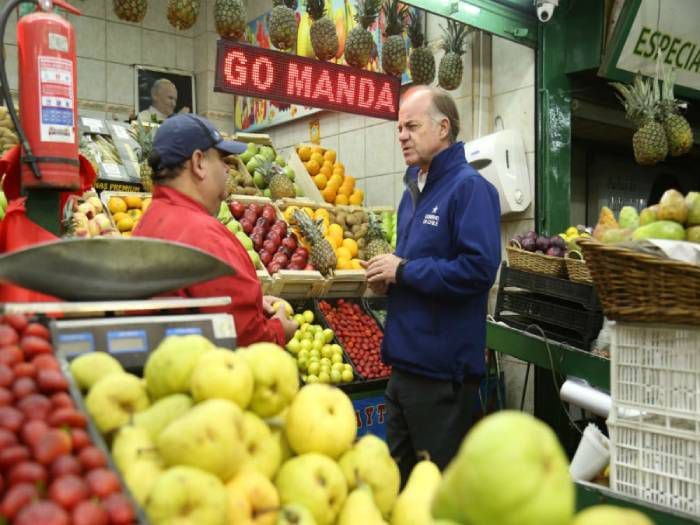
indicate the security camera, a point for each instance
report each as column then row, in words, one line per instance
column 545, row 9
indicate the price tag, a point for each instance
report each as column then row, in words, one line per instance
column 112, row 169
column 121, row 132
column 94, row 125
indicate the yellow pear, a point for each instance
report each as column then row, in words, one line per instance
column 263, row 450
column 253, row 499
column 609, row 515
column 159, row 415
column 132, row 444
column 413, row 504
column 140, row 477
column 276, row 378
column 88, row 369
column 359, row 507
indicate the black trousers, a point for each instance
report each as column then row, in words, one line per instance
column 424, row 414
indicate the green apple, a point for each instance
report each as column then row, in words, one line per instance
column 280, row 161
column 328, row 334
column 314, row 481
column 497, row 479
column 337, row 359
column 88, row 369
column 267, row 193
column 324, row 377
column 276, row 378
column 326, row 351
column 234, row 227
column 311, row 379
column 370, row 462
column 259, row 179
column 245, row 240
column 254, row 258
column 223, row 374
column 132, row 444
column 336, row 377
column 289, row 172
column 208, row 437
column 347, row 376
column 169, row 367
column 609, row 515
column 268, row 153
column 295, row 514
column 321, row 419
column 287, row 307
column 262, row 449
column 186, row 495
column 159, row 415
column 140, row 476
column 294, row 346
column 298, row 191
column 306, row 345
column 308, row 316
column 113, row 400
column 253, row 499
column 299, row 319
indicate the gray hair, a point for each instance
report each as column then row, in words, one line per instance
column 442, row 105
column 160, row 83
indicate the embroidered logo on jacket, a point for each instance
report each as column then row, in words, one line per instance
column 432, row 219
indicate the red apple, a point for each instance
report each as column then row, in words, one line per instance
column 13, row 455
column 44, row 512
column 262, row 222
column 62, row 400
column 289, row 242
column 102, row 482
column 302, row 251
column 280, row 258
column 250, row 215
column 285, row 251
column 247, row 226
column 7, row 377
column 256, row 209
column 23, row 386
column 68, row 491
column 89, row 513
column 269, row 246
column 8, row 335
column 7, row 397
column 274, row 236
column 237, row 209
column 17, row 321
column 16, row 498
column 295, row 266
column 257, row 240
column 51, row 381
column 46, row 361
column 35, row 406
column 265, row 257
column 309, row 267
column 32, row 431
column 38, row 330
column 11, row 355
column 11, row 418
column 66, row 464
column 27, row 471
column 51, row 445
column 67, row 417
column 269, row 213
column 119, row 509
column 299, row 260
column 33, row 345
column 24, row 370
column 92, row 457
column 7, row 438
column 274, row 267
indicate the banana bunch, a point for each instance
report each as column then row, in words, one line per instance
column 304, row 37
column 8, row 136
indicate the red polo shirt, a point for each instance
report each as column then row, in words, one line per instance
column 173, row 216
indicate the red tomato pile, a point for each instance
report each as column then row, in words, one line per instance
column 359, row 335
column 50, row 472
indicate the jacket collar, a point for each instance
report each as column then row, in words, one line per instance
column 440, row 166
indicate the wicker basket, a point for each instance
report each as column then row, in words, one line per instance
column 577, row 269
column 638, row 287
column 535, row 262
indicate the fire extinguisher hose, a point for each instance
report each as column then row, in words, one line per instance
column 4, row 84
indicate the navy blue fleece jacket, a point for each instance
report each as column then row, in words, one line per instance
column 450, row 235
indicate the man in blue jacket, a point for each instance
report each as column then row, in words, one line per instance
column 447, row 255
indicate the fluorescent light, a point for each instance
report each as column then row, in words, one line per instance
column 469, row 8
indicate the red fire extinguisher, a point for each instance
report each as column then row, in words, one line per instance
column 48, row 126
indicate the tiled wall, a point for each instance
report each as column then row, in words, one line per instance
column 108, row 48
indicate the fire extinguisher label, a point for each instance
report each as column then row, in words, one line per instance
column 56, row 106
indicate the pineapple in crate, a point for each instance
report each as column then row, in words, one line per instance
column 283, row 24
column 394, row 47
column 641, row 102
column 230, row 18
column 678, row 131
column 360, row 44
column 321, row 252
column 277, row 181
column 324, row 38
column 376, row 239
column 144, row 135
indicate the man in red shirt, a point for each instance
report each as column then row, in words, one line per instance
column 189, row 177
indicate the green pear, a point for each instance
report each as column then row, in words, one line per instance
column 113, row 400
column 359, row 507
column 289, row 172
column 88, row 369
column 660, row 230
column 132, row 444
column 610, row 515
column 169, row 367
column 186, row 495
column 161, row 413
column 245, row 240
column 207, row 437
column 263, row 450
column 673, row 207
column 222, row 374
column 253, row 499
column 692, row 200
column 648, row 215
column 295, row 514
column 693, row 234
column 234, row 226
column 280, row 161
column 316, row 482
column 369, row 461
column 497, row 479
column 321, row 419
column 254, row 258
column 629, row 218
column 413, row 504
column 276, row 378
column 140, row 477
column 224, row 214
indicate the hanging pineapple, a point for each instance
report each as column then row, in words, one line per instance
column 182, row 14
column 421, row 63
column 451, row 67
column 324, row 39
column 360, row 45
column 641, row 105
column 394, row 47
column 283, row 24
column 130, row 10
column 678, row 131
column 230, row 18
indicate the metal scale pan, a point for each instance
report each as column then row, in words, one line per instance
column 109, row 269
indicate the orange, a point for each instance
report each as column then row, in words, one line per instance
column 343, row 252
column 317, row 157
column 133, row 201
column 313, row 167
column 146, row 204
column 334, row 241
column 336, row 179
column 321, row 213
column 337, row 230
column 328, row 194
column 355, row 264
column 119, row 216
column 349, row 180
column 317, row 149
column 357, row 197
column 304, row 153
column 329, row 155
column 343, row 263
column 117, row 204
column 345, row 190
column 351, row 246
column 320, row 180
column 289, row 213
column 326, row 171
column 341, row 200
column 135, row 213
column 126, row 224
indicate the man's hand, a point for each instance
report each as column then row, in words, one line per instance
column 290, row 326
column 382, row 269
column 267, row 302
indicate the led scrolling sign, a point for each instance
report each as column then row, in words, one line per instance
column 257, row 72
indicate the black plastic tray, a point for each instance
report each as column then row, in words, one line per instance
column 555, row 333
column 551, row 311
column 98, row 440
column 581, row 293
column 372, row 304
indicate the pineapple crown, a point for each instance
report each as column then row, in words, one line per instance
column 316, row 9
column 454, row 37
column 374, row 227
column 309, row 227
column 367, row 12
column 269, row 169
column 144, row 136
column 394, row 12
column 640, row 99
column 415, row 30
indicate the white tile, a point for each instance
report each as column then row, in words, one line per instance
column 11, row 65
column 330, row 142
column 464, row 108
column 399, row 188
column 351, row 152
column 205, row 52
column 513, row 66
column 94, row 8
column 371, row 121
column 218, row 101
column 123, row 43
column 184, row 53
column 517, row 109
column 90, row 35
column 224, row 125
column 348, row 122
column 202, row 92
column 158, row 49
column 329, row 123
column 481, row 64
column 379, row 191
column 89, row 112
column 258, row 7
column 379, row 149
column 91, row 79
column 120, row 84
column 434, row 32
column 156, row 18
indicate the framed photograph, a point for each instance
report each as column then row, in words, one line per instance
column 162, row 92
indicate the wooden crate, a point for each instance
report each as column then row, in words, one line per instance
column 346, row 283
column 265, row 280
column 296, row 284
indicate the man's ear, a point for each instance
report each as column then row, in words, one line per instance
column 444, row 128
column 197, row 160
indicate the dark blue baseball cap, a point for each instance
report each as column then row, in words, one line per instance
column 180, row 135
